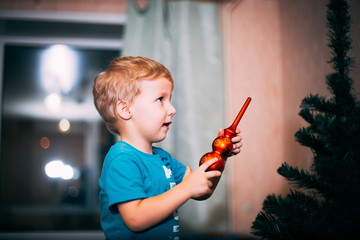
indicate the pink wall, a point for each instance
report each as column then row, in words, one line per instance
column 276, row 53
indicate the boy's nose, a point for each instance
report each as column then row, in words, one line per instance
column 172, row 110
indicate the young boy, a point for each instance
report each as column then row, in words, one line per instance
column 141, row 186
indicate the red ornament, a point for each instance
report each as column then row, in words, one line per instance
column 222, row 146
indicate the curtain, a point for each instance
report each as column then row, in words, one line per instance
column 185, row 37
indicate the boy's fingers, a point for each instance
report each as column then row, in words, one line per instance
column 236, row 139
column 221, row 132
column 238, row 145
column 208, row 163
column 212, row 174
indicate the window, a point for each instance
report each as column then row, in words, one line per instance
column 53, row 141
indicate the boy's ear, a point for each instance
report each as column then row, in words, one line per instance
column 123, row 110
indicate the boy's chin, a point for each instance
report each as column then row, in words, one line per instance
column 159, row 139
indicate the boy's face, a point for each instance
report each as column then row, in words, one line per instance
column 152, row 110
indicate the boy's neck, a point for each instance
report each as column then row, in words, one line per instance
column 143, row 147
column 132, row 139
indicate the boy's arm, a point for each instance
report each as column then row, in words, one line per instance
column 141, row 214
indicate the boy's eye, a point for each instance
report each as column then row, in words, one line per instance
column 160, row 99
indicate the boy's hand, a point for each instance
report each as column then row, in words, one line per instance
column 199, row 181
column 237, row 144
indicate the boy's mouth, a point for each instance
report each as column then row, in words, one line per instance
column 167, row 124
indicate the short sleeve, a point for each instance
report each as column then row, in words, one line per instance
column 124, row 180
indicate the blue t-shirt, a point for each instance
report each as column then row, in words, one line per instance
column 130, row 174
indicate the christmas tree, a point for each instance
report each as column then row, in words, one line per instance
column 324, row 202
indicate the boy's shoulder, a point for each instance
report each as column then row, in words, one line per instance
column 123, row 148
column 126, row 152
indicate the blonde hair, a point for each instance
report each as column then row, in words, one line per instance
column 120, row 82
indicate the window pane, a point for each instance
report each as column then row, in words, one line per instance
column 49, row 172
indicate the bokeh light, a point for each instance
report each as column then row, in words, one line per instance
column 44, row 142
column 58, row 169
column 53, row 102
column 64, row 126
column 59, row 69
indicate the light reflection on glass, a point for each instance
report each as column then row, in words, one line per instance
column 53, row 102
column 44, row 142
column 59, row 69
column 57, row 169
column 64, row 126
